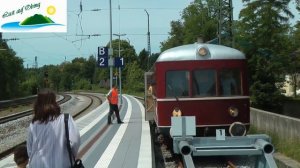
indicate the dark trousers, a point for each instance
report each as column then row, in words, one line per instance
column 113, row 108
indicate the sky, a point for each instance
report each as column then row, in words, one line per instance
column 130, row 19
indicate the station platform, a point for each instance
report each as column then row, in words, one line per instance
column 126, row 145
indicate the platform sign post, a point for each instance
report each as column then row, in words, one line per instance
column 102, row 60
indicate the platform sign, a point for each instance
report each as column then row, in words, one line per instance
column 220, row 134
column 102, row 62
column 119, row 62
column 102, row 52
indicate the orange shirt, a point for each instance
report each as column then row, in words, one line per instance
column 113, row 96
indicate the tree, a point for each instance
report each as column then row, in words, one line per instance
column 264, row 25
column 153, row 59
column 29, row 84
column 143, row 60
column 55, row 77
column 11, row 68
column 89, row 67
column 199, row 19
column 298, row 4
column 176, row 38
column 127, row 52
column 134, row 78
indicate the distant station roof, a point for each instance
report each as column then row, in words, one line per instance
column 192, row 52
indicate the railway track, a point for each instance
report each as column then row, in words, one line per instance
column 16, row 102
column 18, row 117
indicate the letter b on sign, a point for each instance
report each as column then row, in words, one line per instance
column 102, row 52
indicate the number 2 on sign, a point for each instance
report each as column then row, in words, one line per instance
column 101, row 62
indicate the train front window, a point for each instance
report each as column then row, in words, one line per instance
column 230, row 82
column 204, row 82
column 177, row 84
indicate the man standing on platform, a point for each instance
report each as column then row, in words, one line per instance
column 112, row 98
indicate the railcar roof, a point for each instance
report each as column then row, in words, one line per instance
column 190, row 52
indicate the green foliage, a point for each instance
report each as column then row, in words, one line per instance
column 101, row 77
column 30, row 86
column 54, row 75
column 199, row 20
column 89, row 68
column 82, row 73
column 127, row 52
column 262, row 33
column 11, row 68
column 135, row 78
column 82, row 84
column 176, row 38
column 143, row 60
column 282, row 145
column 152, row 60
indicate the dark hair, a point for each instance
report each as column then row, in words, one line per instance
column 46, row 108
column 20, row 154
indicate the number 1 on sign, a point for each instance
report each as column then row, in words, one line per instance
column 220, row 134
column 122, row 60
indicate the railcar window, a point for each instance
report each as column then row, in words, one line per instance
column 230, row 82
column 177, row 83
column 204, row 82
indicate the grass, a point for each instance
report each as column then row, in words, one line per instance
column 288, row 147
column 138, row 94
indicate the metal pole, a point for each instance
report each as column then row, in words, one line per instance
column 231, row 24
column 120, row 72
column 220, row 21
column 120, row 83
column 148, row 34
column 110, row 46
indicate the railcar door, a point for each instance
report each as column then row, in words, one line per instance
column 149, row 96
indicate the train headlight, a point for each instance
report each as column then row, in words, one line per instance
column 202, row 51
column 237, row 129
column 233, row 111
column 176, row 112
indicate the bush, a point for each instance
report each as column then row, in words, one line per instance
column 82, row 84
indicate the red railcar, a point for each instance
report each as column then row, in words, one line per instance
column 202, row 80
